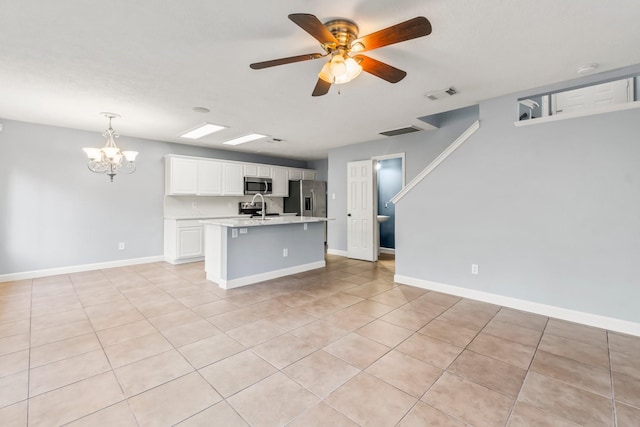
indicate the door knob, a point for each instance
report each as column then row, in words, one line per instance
column 348, row 214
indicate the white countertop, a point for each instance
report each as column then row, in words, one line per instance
column 203, row 217
column 257, row 222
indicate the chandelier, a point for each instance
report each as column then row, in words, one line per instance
column 109, row 159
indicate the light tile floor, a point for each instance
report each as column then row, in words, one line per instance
column 156, row 345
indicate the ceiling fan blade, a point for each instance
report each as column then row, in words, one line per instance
column 407, row 30
column 313, row 26
column 380, row 69
column 322, row 88
column 283, row 61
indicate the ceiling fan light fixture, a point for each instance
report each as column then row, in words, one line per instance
column 353, row 70
column 357, row 47
column 325, row 74
column 337, row 65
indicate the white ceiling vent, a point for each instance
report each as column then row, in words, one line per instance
column 441, row 94
column 401, row 131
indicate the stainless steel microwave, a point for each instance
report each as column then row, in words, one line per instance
column 257, row 185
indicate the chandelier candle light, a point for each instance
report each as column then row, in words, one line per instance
column 109, row 159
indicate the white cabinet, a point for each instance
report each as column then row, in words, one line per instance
column 298, row 174
column 199, row 176
column 183, row 240
column 295, row 174
column 256, row 170
column 280, row 182
column 232, row 179
column 209, row 182
column 308, row 174
column 181, row 176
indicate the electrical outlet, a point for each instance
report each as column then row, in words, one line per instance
column 244, row 230
column 474, row 269
column 333, row 196
column 121, row 246
column 305, row 225
column 234, row 233
column 285, row 252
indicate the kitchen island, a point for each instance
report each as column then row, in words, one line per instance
column 243, row 251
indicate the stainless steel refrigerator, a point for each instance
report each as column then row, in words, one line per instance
column 307, row 198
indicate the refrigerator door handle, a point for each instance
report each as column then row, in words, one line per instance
column 313, row 203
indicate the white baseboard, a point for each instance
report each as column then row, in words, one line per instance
column 390, row 251
column 604, row 322
column 336, row 252
column 183, row 261
column 256, row 278
column 78, row 268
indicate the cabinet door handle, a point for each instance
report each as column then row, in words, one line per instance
column 348, row 214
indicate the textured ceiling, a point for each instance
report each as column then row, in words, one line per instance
column 62, row 62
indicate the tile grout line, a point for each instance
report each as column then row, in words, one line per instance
column 613, row 389
column 524, row 380
column 29, row 361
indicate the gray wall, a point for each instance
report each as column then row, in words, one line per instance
column 550, row 212
column 420, row 149
column 260, row 250
column 55, row 213
column 322, row 168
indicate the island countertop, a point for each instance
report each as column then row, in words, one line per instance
column 258, row 222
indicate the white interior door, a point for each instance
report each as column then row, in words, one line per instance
column 361, row 219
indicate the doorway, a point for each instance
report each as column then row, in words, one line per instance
column 389, row 180
column 364, row 204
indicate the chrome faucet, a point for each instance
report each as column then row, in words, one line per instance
column 264, row 206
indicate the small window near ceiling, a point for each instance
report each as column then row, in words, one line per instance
column 601, row 97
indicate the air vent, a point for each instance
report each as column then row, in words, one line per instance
column 401, row 131
column 441, row 94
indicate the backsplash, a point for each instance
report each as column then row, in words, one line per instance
column 176, row 207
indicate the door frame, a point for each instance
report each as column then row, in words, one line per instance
column 402, row 157
column 374, row 188
column 394, row 156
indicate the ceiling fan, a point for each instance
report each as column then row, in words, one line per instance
column 339, row 39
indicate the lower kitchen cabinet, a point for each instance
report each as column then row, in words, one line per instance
column 183, row 240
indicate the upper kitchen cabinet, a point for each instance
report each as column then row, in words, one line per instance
column 256, row 170
column 233, row 179
column 298, row 174
column 295, row 174
column 181, row 175
column 186, row 175
column 309, row 174
column 280, row 182
column 209, row 178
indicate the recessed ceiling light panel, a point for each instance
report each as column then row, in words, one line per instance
column 244, row 139
column 200, row 131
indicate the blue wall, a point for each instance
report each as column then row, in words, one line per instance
column 389, row 184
